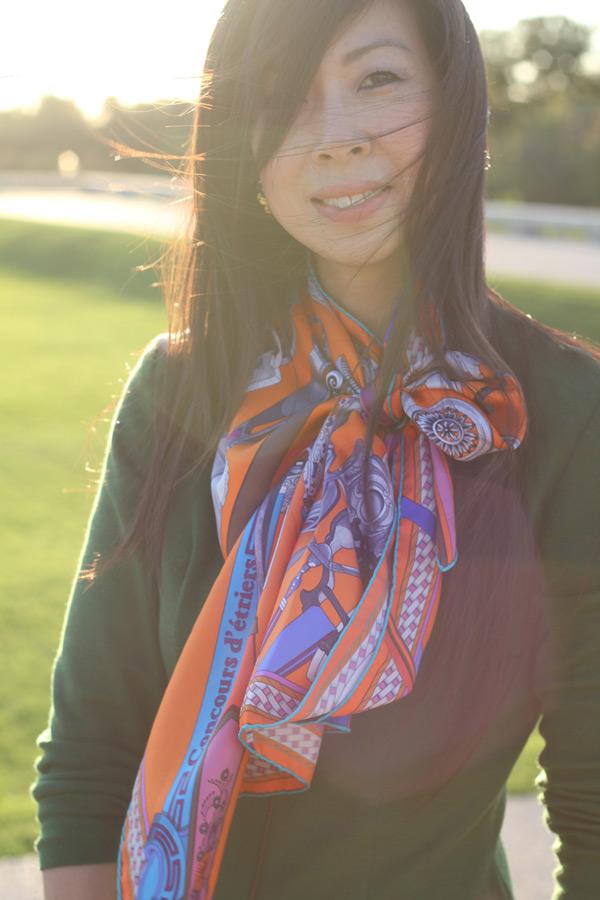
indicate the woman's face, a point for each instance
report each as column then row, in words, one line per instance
column 341, row 180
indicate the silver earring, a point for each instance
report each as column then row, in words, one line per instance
column 487, row 161
column 260, row 196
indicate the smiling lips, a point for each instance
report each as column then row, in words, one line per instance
column 347, row 204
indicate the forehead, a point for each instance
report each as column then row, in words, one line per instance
column 382, row 24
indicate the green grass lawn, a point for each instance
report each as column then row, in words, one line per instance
column 574, row 310
column 66, row 350
column 67, row 344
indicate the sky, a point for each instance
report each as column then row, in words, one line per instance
column 140, row 52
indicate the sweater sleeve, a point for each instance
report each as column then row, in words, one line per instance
column 570, row 726
column 108, row 677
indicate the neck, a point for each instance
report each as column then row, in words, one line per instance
column 369, row 293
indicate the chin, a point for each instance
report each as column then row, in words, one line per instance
column 357, row 255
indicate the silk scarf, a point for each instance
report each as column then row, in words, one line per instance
column 333, row 565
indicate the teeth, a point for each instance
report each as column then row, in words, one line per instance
column 345, row 202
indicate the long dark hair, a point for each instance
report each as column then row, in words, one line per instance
column 230, row 278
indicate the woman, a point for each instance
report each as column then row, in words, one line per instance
column 392, row 605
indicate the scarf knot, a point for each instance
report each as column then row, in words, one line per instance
column 474, row 413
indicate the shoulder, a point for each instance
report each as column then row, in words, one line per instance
column 558, row 381
column 134, row 426
column 148, row 372
column 561, row 384
column 561, row 456
column 145, row 381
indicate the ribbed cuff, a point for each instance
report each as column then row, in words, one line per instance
column 79, row 841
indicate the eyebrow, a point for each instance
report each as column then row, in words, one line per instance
column 355, row 54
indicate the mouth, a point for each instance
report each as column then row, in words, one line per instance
column 349, row 200
column 353, row 205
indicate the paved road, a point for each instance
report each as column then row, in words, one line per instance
column 528, row 846
column 544, row 259
column 537, row 258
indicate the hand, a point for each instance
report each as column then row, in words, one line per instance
column 94, row 882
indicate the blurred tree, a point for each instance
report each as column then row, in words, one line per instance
column 545, row 113
column 142, row 134
column 536, row 59
column 549, row 154
column 123, row 139
column 23, row 137
column 35, row 140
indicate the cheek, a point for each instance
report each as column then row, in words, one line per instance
column 405, row 148
column 280, row 183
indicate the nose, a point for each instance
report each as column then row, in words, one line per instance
column 338, row 137
column 341, row 149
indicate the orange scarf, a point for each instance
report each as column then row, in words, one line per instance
column 330, row 586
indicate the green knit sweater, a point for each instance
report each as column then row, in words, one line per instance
column 360, row 832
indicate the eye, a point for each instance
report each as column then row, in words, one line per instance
column 379, row 79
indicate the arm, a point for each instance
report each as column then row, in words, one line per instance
column 570, row 780
column 109, row 675
column 94, row 882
